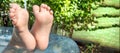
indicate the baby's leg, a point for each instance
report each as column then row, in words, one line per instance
column 42, row 26
column 16, row 45
column 19, row 19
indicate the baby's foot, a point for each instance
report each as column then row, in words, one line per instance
column 42, row 26
column 19, row 17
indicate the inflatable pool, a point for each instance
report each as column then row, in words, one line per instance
column 57, row 43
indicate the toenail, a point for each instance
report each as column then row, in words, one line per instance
column 51, row 12
column 42, row 4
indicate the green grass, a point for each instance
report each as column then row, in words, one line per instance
column 104, row 37
column 101, row 11
column 107, row 21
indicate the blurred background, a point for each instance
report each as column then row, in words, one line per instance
column 93, row 24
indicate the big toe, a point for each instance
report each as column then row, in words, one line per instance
column 36, row 9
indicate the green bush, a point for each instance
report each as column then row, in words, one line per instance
column 4, row 20
column 68, row 14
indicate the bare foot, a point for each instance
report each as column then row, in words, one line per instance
column 19, row 19
column 42, row 26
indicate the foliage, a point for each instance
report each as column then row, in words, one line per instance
column 4, row 20
column 68, row 14
column 73, row 14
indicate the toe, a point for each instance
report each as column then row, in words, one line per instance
column 14, row 21
column 12, row 10
column 11, row 15
column 36, row 9
column 43, row 7
column 46, row 7
column 51, row 12
column 15, row 6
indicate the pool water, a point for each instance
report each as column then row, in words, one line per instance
column 5, row 36
column 57, row 44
